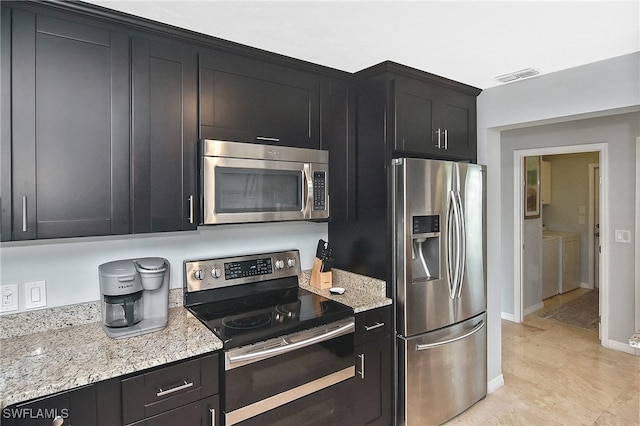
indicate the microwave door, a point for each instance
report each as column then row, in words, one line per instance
column 243, row 190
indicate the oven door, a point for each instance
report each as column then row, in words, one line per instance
column 262, row 377
column 236, row 190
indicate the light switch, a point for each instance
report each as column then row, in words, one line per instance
column 623, row 236
column 9, row 294
column 35, row 295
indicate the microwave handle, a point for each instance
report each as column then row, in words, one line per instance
column 307, row 192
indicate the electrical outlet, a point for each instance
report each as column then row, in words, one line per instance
column 9, row 294
column 35, row 294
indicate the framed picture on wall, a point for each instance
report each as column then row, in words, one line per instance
column 531, row 187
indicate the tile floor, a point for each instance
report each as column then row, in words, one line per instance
column 558, row 374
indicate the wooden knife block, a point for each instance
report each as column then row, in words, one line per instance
column 319, row 279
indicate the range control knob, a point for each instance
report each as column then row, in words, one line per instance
column 215, row 272
column 279, row 264
column 198, row 274
column 291, row 263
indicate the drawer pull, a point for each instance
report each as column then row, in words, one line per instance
column 361, row 372
column 374, row 326
column 176, row 389
column 267, row 139
column 212, row 411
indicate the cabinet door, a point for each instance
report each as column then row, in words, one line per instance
column 456, row 118
column 164, row 84
column 246, row 100
column 434, row 121
column 414, row 115
column 201, row 413
column 338, row 138
column 77, row 406
column 70, row 120
column 372, row 384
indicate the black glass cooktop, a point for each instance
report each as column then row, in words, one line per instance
column 254, row 318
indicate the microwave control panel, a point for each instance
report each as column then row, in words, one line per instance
column 319, row 190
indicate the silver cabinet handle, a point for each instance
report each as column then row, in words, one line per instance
column 212, row 411
column 438, row 132
column 374, row 326
column 267, row 139
column 24, row 213
column 191, row 209
column 361, row 372
column 446, row 139
column 186, row 385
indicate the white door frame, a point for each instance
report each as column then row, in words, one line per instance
column 518, row 212
column 592, row 224
column 637, row 238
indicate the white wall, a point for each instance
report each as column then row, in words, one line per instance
column 70, row 266
column 599, row 89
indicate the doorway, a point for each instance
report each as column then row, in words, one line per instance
column 519, row 212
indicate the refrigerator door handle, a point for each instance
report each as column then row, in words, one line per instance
column 462, row 245
column 452, row 258
column 474, row 330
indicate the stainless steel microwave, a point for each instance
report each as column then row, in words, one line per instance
column 245, row 182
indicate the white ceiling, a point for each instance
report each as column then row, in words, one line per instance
column 468, row 41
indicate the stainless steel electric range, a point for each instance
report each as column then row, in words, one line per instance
column 286, row 349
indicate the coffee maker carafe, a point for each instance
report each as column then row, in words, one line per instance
column 134, row 296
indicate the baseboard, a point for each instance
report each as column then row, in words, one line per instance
column 495, row 384
column 534, row 308
column 622, row 347
column 508, row 316
column 586, row 285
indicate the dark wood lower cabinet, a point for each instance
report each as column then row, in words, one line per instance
column 78, row 406
column 183, row 393
column 372, row 386
column 371, row 389
column 204, row 412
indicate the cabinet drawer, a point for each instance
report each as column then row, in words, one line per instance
column 164, row 389
column 373, row 324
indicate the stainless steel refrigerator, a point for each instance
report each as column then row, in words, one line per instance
column 439, row 272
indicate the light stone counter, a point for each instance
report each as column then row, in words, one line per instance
column 361, row 292
column 66, row 348
column 51, row 350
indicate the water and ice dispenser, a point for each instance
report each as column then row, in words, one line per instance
column 425, row 247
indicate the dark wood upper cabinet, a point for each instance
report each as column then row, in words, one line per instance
column 247, row 100
column 70, row 129
column 165, row 136
column 426, row 115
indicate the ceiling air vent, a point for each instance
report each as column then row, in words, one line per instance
column 527, row 72
column 506, row 78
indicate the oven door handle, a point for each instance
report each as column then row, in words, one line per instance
column 286, row 346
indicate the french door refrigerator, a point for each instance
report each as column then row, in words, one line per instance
column 440, row 291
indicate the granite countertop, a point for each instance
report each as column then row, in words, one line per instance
column 51, row 350
column 361, row 292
